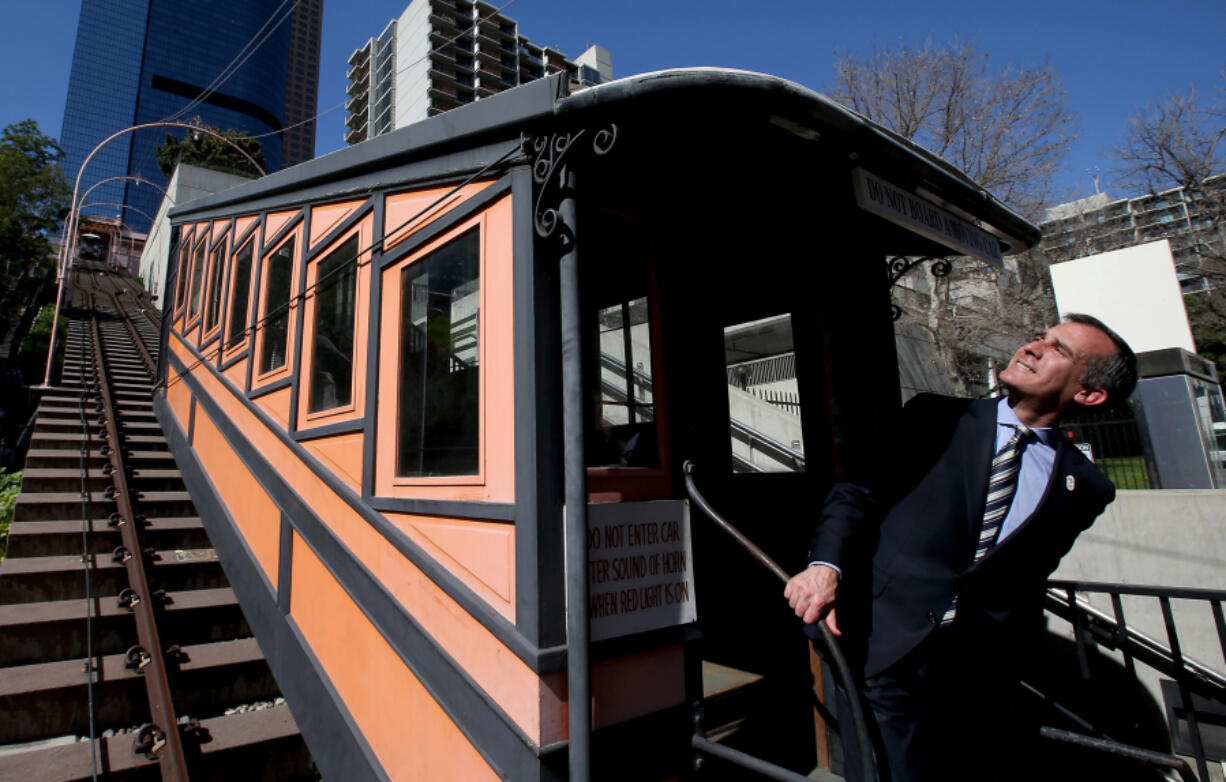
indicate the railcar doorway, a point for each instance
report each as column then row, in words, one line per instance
column 761, row 350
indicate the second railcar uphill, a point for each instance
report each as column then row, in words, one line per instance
column 394, row 378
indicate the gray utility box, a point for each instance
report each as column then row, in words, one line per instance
column 1179, row 407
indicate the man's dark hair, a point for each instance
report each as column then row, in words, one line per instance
column 1116, row 374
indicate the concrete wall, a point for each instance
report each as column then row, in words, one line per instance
column 1167, row 538
column 186, row 184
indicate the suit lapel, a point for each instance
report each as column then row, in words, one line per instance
column 980, row 439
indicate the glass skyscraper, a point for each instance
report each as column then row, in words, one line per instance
column 141, row 61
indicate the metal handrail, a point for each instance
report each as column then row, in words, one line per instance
column 1152, row 651
column 1160, row 759
column 842, row 670
column 1092, row 626
column 753, row 435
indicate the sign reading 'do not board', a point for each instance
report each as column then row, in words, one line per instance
column 640, row 567
column 925, row 218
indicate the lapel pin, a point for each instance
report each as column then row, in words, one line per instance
column 1069, row 482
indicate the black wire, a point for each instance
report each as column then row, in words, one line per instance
column 376, row 244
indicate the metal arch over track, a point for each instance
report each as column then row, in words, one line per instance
column 117, row 622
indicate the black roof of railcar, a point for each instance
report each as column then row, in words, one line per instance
column 501, row 118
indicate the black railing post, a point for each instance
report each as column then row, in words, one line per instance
column 1185, row 692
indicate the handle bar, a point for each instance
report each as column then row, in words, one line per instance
column 836, row 654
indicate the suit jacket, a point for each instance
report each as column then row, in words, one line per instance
column 905, row 537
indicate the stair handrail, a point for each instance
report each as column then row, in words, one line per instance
column 842, row 670
column 1155, row 653
column 1093, row 626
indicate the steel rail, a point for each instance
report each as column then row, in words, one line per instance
column 137, row 340
column 163, row 740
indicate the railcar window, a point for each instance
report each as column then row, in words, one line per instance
column 763, row 397
column 240, row 295
column 276, row 308
column 332, row 348
column 216, row 275
column 625, row 433
column 193, row 306
column 439, row 405
column 185, row 273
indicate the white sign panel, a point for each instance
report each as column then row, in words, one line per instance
column 640, row 567
column 1135, row 291
column 925, row 218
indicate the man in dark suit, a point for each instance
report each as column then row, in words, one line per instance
column 935, row 579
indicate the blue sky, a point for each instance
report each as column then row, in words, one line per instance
column 1113, row 56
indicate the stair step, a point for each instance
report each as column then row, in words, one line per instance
column 41, row 579
column 55, row 630
column 44, row 699
column 63, row 537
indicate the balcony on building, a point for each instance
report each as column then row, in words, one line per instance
column 494, row 33
column 357, row 104
column 449, row 44
column 446, row 25
column 531, row 52
column 493, row 62
column 359, row 64
column 449, row 79
column 460, row 68
column 445, row 98
column 458, row 8
column 355, row 120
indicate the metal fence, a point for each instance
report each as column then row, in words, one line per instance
column 784, row 400
column 1112, row 440
column 1194, row 692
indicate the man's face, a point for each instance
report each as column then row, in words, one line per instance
column 1048, row 369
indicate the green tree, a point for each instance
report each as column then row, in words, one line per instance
column 208, row 151
column 33, row 193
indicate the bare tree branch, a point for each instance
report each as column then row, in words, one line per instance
column 1009, row 128
column 1173, row 142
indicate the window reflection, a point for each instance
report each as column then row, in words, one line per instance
column 276, row 308
column 332, row 348
column 439, row 403
column 240, row 295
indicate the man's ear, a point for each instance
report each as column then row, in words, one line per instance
column 1089, row 396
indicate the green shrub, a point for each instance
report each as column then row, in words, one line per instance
column 10, row 487
column 33, row 353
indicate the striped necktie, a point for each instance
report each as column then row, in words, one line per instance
column 1002, row 480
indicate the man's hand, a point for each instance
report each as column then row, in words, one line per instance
column 811, row 594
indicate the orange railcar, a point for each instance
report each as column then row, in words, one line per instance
column 388, row 372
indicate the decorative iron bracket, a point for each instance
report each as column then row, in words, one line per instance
column 549, row 169
column 899, row 265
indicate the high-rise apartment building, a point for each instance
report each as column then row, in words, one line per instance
column 1193, row 222
column 142, row 61
column 440, row 54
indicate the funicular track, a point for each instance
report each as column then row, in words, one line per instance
column 122, row 648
